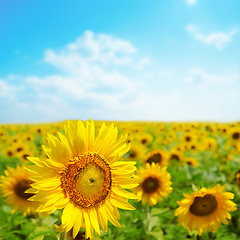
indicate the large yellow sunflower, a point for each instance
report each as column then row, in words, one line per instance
column 205, row 209
column 154, row 184
column 13, row 186
column 83, row 176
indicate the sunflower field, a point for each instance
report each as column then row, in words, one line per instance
column 120, row 180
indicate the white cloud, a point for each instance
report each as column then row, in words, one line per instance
column 102, row 77
column 216, row 39
column 100, row 48
column 7, row 90
column 88, row 78
column 191, row 2
column 143, row 62
column 202, row 79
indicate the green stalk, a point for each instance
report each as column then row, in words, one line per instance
column 148, row 216
column 62, row 236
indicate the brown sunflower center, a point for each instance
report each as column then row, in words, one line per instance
column 175, row 156
column 87, row 180
column 156, row 158
column 132, row 154
column 236, row 135
column 19, row 149
column 204, row 206
column 9, row 153
column 150, row 185
column 188, row 139
column 21, row 187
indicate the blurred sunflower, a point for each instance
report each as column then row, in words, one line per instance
column 154, row 184
column 174, row 155
column 191, row 161
column 156, row 156
column 135, row 152
column 145, row 138
column 15, row 139
column 24, row 155
column 187, row 137
column 234, row 136
column 205, row 209
column 9, row 152
column 28, row 137
column 19, row 148
column 13, row 186
column 210, row 143
column 194, row 146
column 82, row 174
column 3, row 133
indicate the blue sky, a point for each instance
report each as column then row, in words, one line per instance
column 175, row 60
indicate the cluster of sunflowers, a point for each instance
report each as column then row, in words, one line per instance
column 85, row 170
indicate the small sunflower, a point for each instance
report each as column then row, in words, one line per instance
column 205, row 209
column 13, row 186
column 191, row 161
column 234, row 135
column 175, row 155
column 9, row 152
column 210, row 143
column 83, row 176
column 156, row 156
column 145, row 139
column 154, row 184
column 135, row 152
column 187, row 137
column 24, row 155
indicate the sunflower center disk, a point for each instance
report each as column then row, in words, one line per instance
column 91, row 180
column 156, row 158
column 175, row 156
column 204, row 206
column 21, row 187
column 87, row 180
column 150, row 185
column 236, row 135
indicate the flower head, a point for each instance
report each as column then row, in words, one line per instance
column 83, row 176
column 205, row 209
column 13, row 186
column 154, row 184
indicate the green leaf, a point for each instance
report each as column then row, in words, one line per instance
column 39, row 238
column 158, row 211
column 154, row 221
column 157, row 234
column 50, row 237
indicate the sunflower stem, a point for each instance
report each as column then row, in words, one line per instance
column 62, row 236
column 148, row 217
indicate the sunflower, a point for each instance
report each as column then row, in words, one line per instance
column 156, row 156
column 205, row 209
column 145, row 139
column 174, row 155
column 234, row 137
column 190, row 161
column 135, row 152
column 187, row 137
column 24, row 155
column 210, row 143
column 13, row 186
column 9, row 152
column 83, row 176
column 154, row 184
